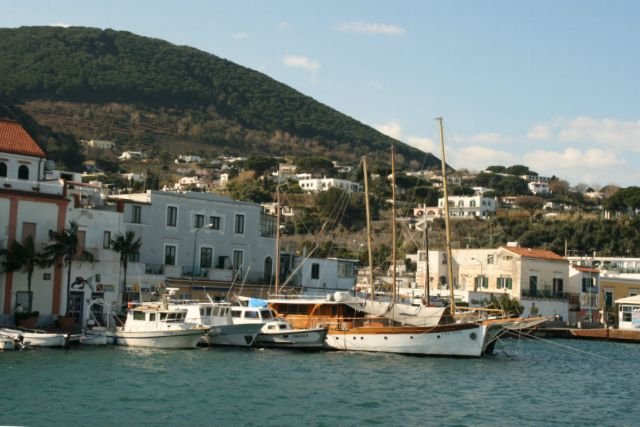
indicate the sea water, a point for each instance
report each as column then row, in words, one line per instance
column 525, row 383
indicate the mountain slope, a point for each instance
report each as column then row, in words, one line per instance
column 209, row 100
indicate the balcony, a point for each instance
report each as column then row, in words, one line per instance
column 544, row 293
column 154, row 269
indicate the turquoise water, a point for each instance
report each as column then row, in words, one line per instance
column 560, row 382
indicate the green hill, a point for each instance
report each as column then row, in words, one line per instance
column 96, row 83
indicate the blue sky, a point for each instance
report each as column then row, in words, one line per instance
column 551, row 84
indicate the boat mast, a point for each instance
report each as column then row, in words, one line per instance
column 446, row 220
column 277, row 260
column 368, row 212
column 393, row 221
column 427, row 296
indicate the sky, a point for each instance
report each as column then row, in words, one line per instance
column 550, row 84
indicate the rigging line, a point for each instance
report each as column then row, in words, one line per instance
column 565, row 346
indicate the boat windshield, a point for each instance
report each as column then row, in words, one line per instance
column 266, row 314
column 172, row 317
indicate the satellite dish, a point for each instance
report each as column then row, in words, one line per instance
column 49, row 165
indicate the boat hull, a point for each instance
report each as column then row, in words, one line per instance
column 468, row 340
column 242, row 335
column 39, row 339
column 160, row 339
column 295, row 338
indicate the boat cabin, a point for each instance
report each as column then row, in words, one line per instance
column 629, row 313
column 252, row 314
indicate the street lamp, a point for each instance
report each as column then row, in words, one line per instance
column 195, row 239
column 475, row 282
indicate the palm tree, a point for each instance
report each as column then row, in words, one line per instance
column 64, row 246
column 24, row 257
column 126, row 245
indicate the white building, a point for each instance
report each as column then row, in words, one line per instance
column 131, row 155
column 188, row 159
column 470, row 206
column 101, row 144
column 323, row 184
column 537, row 187
column 321, row 276
column 202, row 235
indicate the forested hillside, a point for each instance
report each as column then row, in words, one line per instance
column 73, row 79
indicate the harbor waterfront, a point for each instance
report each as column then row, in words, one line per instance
column 527, row 382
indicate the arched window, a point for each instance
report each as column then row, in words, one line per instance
column 472, row 203
column 23, row 172
column 3, row 169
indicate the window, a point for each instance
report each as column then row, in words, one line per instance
column 80, row 248
column 489, row 259
column 23, row 172
column 136, row 214
column 46, row 276
column 172, row 216
column 472, row 203
column 444, row 259
column 106, row 240
column 481, row 282
column 3, row 169
column 533, row 285
column 239, row 228
column 504, row 283
column 28, row 230
column 587, row 284
column 170, row 255
column 198, row 221
column 346, row 269
column 215, row 222
column 237, row 260
column 134, row 257
column 315, row 270
column 206, row 257
column 558, row 286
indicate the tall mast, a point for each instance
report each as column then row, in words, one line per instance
column 277, row 260
column 393, row 221
column 446, row 221
column 368, row 211
column 427, row 296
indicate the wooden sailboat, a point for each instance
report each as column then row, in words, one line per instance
column 351, row 329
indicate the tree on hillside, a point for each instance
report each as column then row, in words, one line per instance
column 519, row 170
column 261, row 165
column 315, row 165
column 530, row 203
column 497, row 169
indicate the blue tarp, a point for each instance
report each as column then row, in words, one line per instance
column 257, row 302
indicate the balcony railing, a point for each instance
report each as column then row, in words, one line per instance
column 154, row 269
column 544, row 293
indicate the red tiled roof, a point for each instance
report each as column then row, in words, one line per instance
column 535, row 253
column 14, row 139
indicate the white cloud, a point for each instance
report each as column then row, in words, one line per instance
column 484, row 138
column 425, row 144
column 241, row 36
column 60, row 24
column 375, row 85
column 304, row 63
column 295, row 61
column 392, row 129
column 614, row 134
column 540, row 132
column 591, row 166
column 370, row 28
column 478, row 158
column 284, row 25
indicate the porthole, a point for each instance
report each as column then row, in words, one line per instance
column 473, row 336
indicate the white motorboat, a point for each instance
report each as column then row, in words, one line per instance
column 159, row 326
column 37, row 337
column 217, row 316
column 277, row 332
